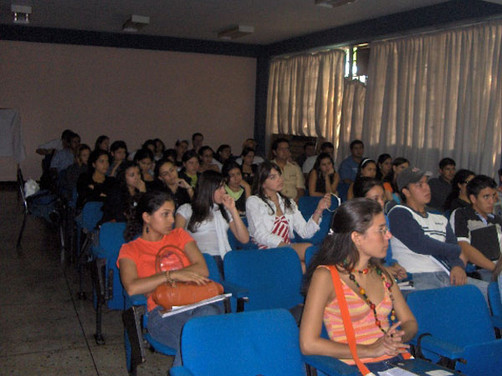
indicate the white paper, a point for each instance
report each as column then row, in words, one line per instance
column 439, row 372
column 178, row 309
column 396, row 371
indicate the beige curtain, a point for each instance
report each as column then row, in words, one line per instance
column 437, row 95
column 352, row 117
column 305, row 95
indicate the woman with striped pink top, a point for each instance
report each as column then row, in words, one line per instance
column 273, row 218
column 358, row 241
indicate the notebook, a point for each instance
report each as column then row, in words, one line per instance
column 486, row 240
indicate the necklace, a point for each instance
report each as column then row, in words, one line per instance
column 362, row 292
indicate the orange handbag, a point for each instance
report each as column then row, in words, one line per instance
column 183, row 293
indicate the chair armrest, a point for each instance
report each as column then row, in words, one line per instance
column 330, row 366
column 236, row 291
column 179, row 371
column 443, row 348
column 134, row 300
column 497, row 321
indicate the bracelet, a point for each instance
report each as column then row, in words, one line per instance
column 169, row 280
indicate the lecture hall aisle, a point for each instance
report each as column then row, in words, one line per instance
column 44, row 328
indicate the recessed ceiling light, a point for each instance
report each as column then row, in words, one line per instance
column 135, row 23
column 20, row 13
column 333, row 3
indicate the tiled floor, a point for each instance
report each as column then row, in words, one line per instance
column 44, row 328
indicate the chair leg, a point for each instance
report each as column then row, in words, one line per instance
column 132, row 324
column 18, row 244
column 99, row 270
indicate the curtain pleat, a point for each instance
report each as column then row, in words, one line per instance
column 437, row 95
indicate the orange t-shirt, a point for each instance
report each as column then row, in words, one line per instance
column 143, row 253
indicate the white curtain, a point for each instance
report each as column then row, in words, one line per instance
column 437, row 95
column 305, row 95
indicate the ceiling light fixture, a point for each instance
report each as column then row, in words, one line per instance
column 235, row 32
column 135, row 23
column 333, row 3
column 20, row 13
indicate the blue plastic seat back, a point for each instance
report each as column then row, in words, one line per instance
column 234, row 243
column 91, row 214
column 111, row 238
column 310, row 252
column 273, row 277
column 248, row 343
column 457, row 314
column 214, row 272
column 307, row 206
column 494, row 298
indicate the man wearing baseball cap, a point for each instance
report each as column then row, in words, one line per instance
column 423, row 242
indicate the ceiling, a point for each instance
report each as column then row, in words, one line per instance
column 273, row 20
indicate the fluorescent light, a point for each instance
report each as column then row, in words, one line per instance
column 135, row 23
column 333, row 3
column 20, row 13
column 234, row 32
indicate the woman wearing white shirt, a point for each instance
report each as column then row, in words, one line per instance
column 210, row 215
column 273, row 218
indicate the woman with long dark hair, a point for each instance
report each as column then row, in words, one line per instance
column 359, row 239
column 384, row 164
column 190, row 171
column 248, row 166
column 390, row 181
column 210, row 215
column 273, row 218
column 323, row 177
column 128, row 189
column 167, row 179
column 367, row 168
column 458, row 196
column 153, row 221
column 235, row 186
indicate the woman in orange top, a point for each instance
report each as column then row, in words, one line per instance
column 359, row 239
column 137, row 260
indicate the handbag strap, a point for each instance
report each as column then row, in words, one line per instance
column 347, row 322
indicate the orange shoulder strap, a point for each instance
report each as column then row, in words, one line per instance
column 347, row 322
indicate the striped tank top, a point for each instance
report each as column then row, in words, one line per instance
column 363, row 320
column 280, row 228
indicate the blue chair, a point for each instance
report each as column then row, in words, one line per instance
column 307, row 205
column 135, row 318
column 454, row 323
column 495, row 305
column 106, row 277
column 272, row 277
column 86, row 226
column 234, row 243
column 248, row 343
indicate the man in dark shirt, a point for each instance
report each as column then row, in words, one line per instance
column 441, row 186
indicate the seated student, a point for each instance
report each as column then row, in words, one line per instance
column 181, row 147
column 350, row 165
column 223, row 153
column 477, row 229
column 359, row 240
column 372, row 188
column 206, row 159
column 65, row 157
column 171, row 155
column 458, row 196
column 384, row 166
column 50, row 147
column 235, row 186
column 308, row 165
column 273, row 218
column 367, row 168
column 197, row 141
column 190, row 171
column 251, row 144
column 441, row 186
column 95, row 185
column 73, row 172
column 153, row 221
column 118, row 153
column 421, row 238
column 159, row 149
column 248, row 166
column 210, row 215
column 144, row 159
column 323, row 177
column 390, row 181
column 102, row 143
column 167, row 180
column 308, row 151
column 124, row 194
column 293, row 181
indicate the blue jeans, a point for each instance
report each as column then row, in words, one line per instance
column 435, row 280
column 168, row 330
